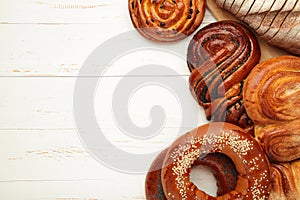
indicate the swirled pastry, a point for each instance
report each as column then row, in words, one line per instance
column 285, row 181
column 272, row 98
column 220, row 57
column 166, row 20
column 281, row 141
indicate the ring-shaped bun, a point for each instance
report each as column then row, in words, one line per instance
column 250, row 161
column 220, row 165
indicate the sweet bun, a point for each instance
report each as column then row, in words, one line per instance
column 271, row 98
column 166, row 20
column 220, row 56
column 220, row 165
column 251, row 163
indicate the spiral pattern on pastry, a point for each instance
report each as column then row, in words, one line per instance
column 285, row 181
column 166, row 20
column 251, row 163
column 220, row 57
column 281, row 141
column 272, row 98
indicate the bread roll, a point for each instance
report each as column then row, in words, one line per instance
column 285, row 181
column 271, row 98
column 166, row 20
column 276, row 21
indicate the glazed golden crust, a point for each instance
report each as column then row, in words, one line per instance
column 153, row 186
column 220, row 57
column 272, row 89
column 250, row 161
column 166, row 20
column 285, row 181
column 271, row 98
column 281, row 141
column 220, row 165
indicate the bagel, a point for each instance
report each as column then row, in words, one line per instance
column 250, row 161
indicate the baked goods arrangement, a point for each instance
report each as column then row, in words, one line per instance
column 166, row 20
column 276, row 21
column 252, row 144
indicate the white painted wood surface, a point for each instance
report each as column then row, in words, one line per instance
column 43, row 46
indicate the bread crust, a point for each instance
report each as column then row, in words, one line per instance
column 271, row 15
column 276, row 21
column 220, row 165
column 279, row 19
column 250, row 161
column 168, row 20
column 285, row 181
column 271, row 98
column 220, row 56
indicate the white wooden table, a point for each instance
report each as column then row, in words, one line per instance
column 43, row 46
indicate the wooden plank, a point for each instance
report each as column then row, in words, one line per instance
column 64, row 11
column 61, row 50
column 131, row 188
column 267, row 51
column 61, row 11
column 47, row 103
column 58, row 155
column 56, row 50
column 53, row 164
column 44, row 44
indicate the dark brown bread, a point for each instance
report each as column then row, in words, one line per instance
column 220, row 56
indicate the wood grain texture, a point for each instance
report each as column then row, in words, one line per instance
column 267, row 50
column 63, row 52
column 57, row 155
column 43, row 46
column 47, row 103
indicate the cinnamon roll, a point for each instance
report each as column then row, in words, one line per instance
column 166, row 20
column 271, row 98
column 220, row 56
